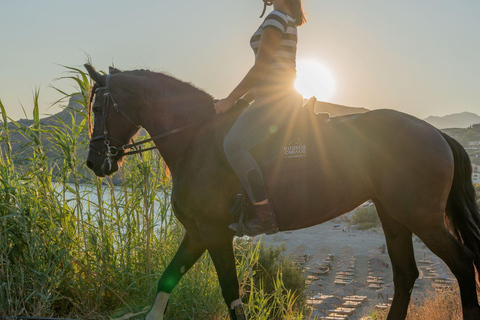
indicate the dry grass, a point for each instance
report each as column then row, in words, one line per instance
column 436, row 306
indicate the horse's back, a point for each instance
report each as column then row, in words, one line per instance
column 382, row 154
column 400, row 138
column 405, row 157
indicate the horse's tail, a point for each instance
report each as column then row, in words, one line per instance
column 462, row 210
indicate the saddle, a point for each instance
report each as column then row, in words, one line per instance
column 293, row 149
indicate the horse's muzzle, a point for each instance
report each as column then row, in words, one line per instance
column 96, row 169
column 90, row 165
column 107, row 168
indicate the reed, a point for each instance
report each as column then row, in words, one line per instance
column 73, row 245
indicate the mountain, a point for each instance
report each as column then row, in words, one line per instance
column 65, row 118
column 456, row 120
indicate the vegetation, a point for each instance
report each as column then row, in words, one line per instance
column 466, row 135
column 73, row 245
column 437, row 305
column 278, row 278
column 365, row 218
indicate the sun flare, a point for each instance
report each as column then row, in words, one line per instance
column 314, row 79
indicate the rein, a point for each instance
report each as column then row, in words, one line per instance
column 111, row 150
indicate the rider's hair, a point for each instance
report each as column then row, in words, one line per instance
column 297, row 11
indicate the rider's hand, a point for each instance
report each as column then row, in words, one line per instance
column 223, row 105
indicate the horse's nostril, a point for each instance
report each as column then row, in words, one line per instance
column 90, row 164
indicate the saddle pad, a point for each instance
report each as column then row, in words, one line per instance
column 295, row 147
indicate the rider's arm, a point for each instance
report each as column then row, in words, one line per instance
column 269, row 43
column 249, row 96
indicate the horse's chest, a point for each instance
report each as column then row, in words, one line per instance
column 200, row 197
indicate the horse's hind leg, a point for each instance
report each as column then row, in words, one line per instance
column 405, row 272
column 460, row 261
column 187, row 254
column 224, row 260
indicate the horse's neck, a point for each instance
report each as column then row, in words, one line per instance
column 202, row 142
column 168, row 114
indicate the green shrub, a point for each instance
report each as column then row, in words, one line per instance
column 365, row 218
column 273, row 273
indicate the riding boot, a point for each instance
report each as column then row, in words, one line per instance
column 264, row 221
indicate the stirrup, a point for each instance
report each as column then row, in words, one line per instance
column 238, row 227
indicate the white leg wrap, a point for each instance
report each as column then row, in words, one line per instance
column 235, row 303
column 159, row 307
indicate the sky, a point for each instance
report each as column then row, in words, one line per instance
column 418, row 57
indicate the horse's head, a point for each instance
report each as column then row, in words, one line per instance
column 114, row 124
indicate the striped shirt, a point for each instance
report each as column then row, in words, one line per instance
column 285, row 56
column 283, row 66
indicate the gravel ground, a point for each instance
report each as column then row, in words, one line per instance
column 320, row 240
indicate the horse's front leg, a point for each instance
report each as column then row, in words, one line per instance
column 224, row 260
column 186, row 256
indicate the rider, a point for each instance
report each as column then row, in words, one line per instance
column 271, row 82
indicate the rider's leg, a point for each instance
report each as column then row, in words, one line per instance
column 258, row 122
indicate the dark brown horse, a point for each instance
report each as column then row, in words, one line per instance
column 415, row 175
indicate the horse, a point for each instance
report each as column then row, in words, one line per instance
column 418, row 178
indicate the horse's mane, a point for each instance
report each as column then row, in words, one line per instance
column 162, row 76
column 155, row 77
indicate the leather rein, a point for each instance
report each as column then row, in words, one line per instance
column 111, row 151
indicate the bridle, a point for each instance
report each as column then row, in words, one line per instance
column 112, row 151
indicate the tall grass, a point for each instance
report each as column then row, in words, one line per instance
column 74, row 245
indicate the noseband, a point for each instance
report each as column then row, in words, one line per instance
column 112, row 151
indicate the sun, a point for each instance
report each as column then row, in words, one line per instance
column 314, row 79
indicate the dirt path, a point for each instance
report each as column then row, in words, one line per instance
column 319, row 240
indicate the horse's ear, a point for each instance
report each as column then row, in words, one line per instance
column 113, row 70
column 97, row 77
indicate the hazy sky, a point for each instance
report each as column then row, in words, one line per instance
column 417, row 56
